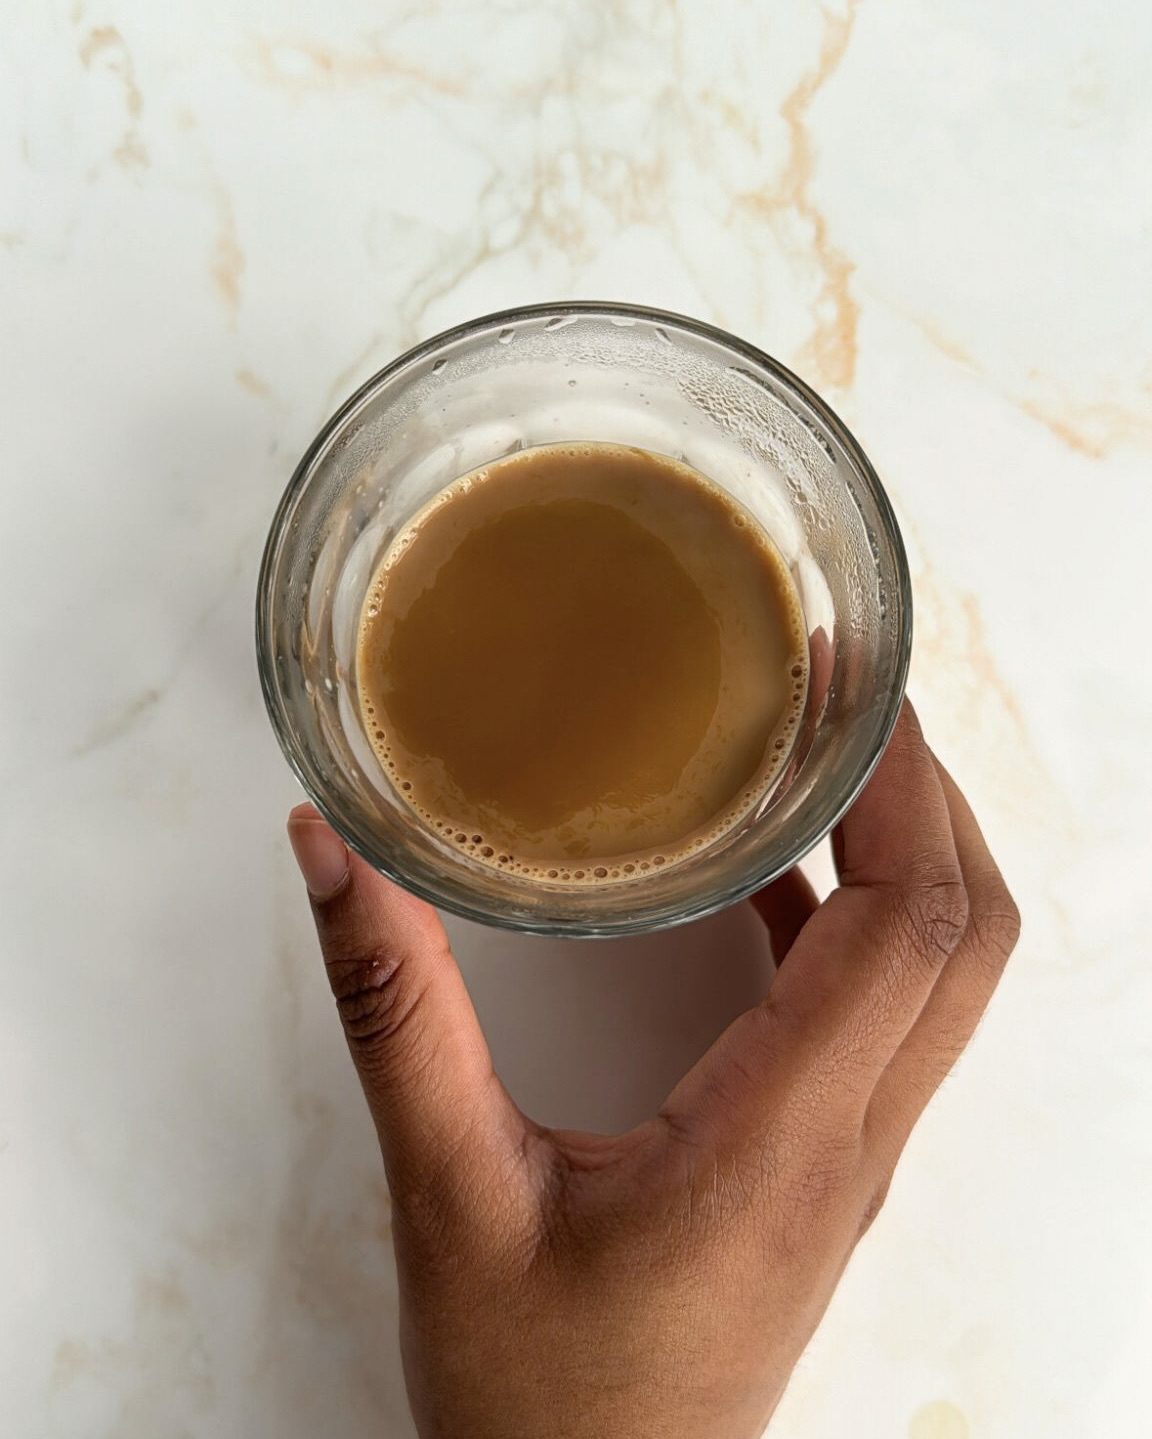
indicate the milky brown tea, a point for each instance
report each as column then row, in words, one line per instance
column 582, row 663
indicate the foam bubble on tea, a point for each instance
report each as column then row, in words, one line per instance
column 582, row 663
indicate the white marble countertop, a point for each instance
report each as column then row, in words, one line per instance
column 214, row 221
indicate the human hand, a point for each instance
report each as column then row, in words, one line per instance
column 664, row 1281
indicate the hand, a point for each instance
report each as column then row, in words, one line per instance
column 665, row 1281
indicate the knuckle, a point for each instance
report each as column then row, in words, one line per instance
column 872, row 1208
column 996, row 926
column 932, row 917
column 372, row 996
column 766, row 1029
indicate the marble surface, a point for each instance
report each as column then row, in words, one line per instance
column 214, row 221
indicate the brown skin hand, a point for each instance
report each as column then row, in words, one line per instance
column 664, row 1281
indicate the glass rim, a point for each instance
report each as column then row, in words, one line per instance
column 706, row 903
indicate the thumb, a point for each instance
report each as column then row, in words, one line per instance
column 438, row 1107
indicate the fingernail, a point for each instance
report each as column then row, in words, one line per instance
column 321, row 854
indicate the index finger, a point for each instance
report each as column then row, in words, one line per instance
column 958, row 1001
column 864, row 966
column 860, row 970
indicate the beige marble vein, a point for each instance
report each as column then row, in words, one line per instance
column 448, row 268
column 1091, row 428
column 952, row 656
column 303, row 66
column 161, row 1359
column 118, row 724
column 250, row 381
column 131, row 713
column 830, row 352
column 228, row 261
column 103, row 47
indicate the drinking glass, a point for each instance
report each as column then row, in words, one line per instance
column 601, row 372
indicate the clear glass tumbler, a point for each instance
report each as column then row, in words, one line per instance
column 584, row 371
